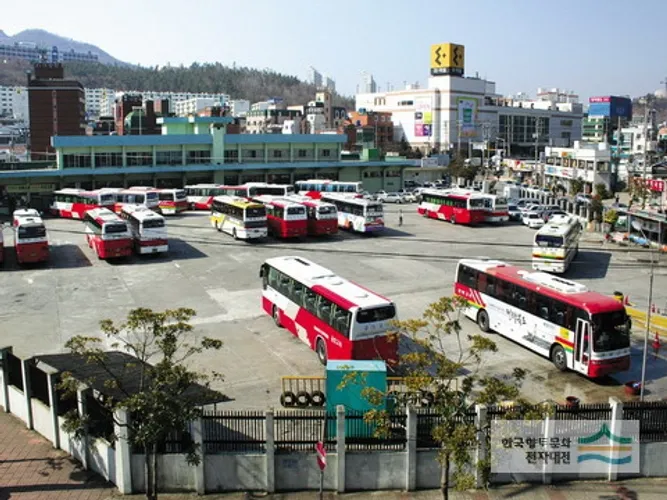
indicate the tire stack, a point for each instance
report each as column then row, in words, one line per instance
column 302, row 399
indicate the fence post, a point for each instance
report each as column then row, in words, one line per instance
column 340, row 447
column 616, row 429
column 4, row 378
column 53, row 404
column 123, row 455
column 198, row 438
column 270, row 455
column 482, row 450
column 82, row 404
column 411, row 450
column 548, row 432
column 27, row 392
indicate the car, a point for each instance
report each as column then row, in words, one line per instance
column 533, row 220
column 409, row 197
column 532, row 207
column 548, row 214
column 583, row 198
column 390, row 197
column 514, row 211
column 366, row 195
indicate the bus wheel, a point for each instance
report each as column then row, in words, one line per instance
column 558, row 358
column 483, row 321
column 276, row 317
column 321, row 351
column 452, row 219
column 317, row 398
column 218, row 226
column 234, row 234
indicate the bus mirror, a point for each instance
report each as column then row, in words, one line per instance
column 261, row 272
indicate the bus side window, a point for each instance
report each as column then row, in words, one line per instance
column 297, row 292
column 490, row 286
column 543, row 307
column 558, row 313
column 468, row 277
column 273, row 278
column 309, row 301
column 340, row 320
column 324, row 309
column 481, row 282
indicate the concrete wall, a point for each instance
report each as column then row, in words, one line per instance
column 42, row 420
column 231, row 472
column 174, row 473
column 375, row 470
column 103, row 459
column 299, row 471
column 17, row 403
column 428, row 470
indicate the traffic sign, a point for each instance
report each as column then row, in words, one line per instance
column 321, row 455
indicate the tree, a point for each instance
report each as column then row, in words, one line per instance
column 163, row 401
column 458, row 168
column 601, row 191
column 577, row 186
column 446, row 363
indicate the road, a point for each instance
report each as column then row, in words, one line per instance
column 41, row 307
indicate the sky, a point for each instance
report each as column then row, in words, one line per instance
column 594, row 47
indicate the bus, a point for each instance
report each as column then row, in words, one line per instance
column 145, row 196
column 254, row 189
column 2, row 247
column 107, row 234
column 556, row 244
column 357, row 214
column 74, row 203
column 497, row 208
column 30, row 239
column 316, row 188
column 148, row 229
column 243, row 219
column 172, row 201
column 456, row 207
column 338, row 319
column 322, row 216
column 286, row 219
column 575, row 328
column 200, row 196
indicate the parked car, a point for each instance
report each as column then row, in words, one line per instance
column 409, row 197
column 583, row 198
column 366, row 195
column 515, row 212
column 533, row 220
column 548, row 214
column 532, row 207
column 390, row 197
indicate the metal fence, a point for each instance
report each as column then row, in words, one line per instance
column 239, row 431
column 300, row 431
column 652, row 418
column 429, row 420
column 388, row 434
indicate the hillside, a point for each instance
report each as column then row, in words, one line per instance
column 240, row 83
column 44, row 38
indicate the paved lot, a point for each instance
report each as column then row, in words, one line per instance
column 31, row 469
column 414, row 265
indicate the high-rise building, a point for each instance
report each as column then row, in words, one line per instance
column 57, row 107
column 329, row 84
column 606, row 115
column 32, row 52
column 368, row 85
column 314, row 77
column 125, row 104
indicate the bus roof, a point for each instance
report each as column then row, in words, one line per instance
column 344, row 293
column 457, row 194
column 279, row 201
column 25, row 212
column 326, row 181
column 69, row 191
column 141, row 188
column 140, row 212
column 103, row 215
column 28, row 221
column 202, row 185
column 349, row 199
column 237, row 201
column 569, row 292
column 558, row 227
column 309, row 202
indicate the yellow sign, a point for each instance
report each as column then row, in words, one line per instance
column 448, row 56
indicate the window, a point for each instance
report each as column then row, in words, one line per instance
column 467, row 277
column 108, row 159
column 393, row 173
column 277, row 153
column 139, row 158
column 310, row 301
column 302, row 153
column 231, row 156
column 323, row 309
column 326, row 152
column 198, row 157
column 340, row 320
column 76, row 161
column 168, row 158
column 383, row 313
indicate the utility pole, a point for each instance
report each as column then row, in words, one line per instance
column 458, row 139
column 537, row 135
column 646, row 159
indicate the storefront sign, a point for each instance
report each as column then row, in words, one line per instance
column 30, row 188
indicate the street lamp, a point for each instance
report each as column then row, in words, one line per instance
column 637, row 225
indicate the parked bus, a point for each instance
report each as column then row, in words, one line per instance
column 107, row 234
column 322, row 216
column 2, row 247
column 145, row 196
column 200, row 196
column 316, row 188
column 338, row 319
column 455, row 207
column 576, row 328
column 74, row 203
column 286, row 219
column 357, row 214
column 31, row 242
column 497, row 208
column 239, row 217
column 254, row 189
column 556, row 244
column 172, row 201
column 148, row 229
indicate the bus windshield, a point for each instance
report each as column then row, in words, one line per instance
column 167, row 196
column 107, row 199
column 152, row 196
column 545, row 240
column 374, row 210
column 152, row 223
column 326, row 210
column 501, row 202
column 296, row 211
column 383, row 313
column 115, row 227
column 252, row 213
column 179, row 194
column 610, row 331
column 29, row 232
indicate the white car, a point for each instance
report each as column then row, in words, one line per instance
column 408, row 197
column 391, row 198
column 533, row 220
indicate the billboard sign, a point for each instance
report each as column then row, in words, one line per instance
column 447, row 59
column 423, row 118
column 467, row 115
column 599, row 99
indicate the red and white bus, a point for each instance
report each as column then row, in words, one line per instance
column 31, row 242
column 576, row 328
column 74, row 203
column 338, row 319
column 285, row 218
column 254, row 189
column 172, row 201
column 107, row 234
column 200, row 196
column 457, row 207
column 146, row 196
column 315, row 188
column 148, row 229
column 322, row 216
column 496, row 207
column 357, row 214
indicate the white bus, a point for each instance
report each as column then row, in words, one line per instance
column 357, row 214
column 556, row 244
column 200, row 196
column 148, row 229
column 239, row 217
column 316, row 188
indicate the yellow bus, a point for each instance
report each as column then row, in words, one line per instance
column 243, row 219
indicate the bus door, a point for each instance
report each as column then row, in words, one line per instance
column 582, row 346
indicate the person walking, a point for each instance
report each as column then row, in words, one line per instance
column 400, row 217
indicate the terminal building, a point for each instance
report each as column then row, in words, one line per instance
column 193, row 150
column 455, row 111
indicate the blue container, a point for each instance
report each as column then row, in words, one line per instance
column 345, row 384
